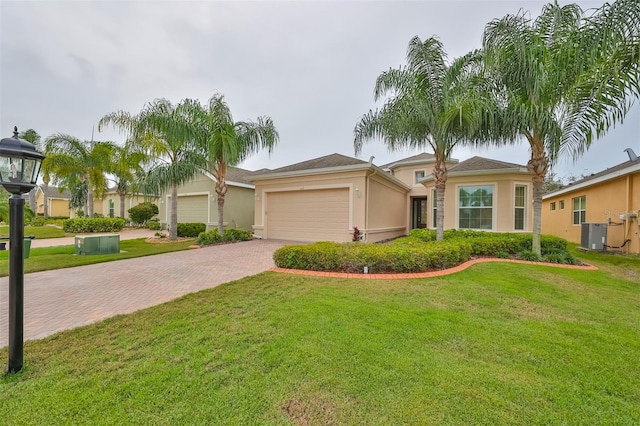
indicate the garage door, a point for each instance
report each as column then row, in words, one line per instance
column 314, row 215
column 193, row 208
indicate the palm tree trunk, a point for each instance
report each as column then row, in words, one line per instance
column 537, row 165
column 45, row 199
column 89, row 200
column 221, row 191
column 440, row 176
column 173, row 219
column 122, row 200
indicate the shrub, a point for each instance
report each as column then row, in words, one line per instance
column 153, row 225
column 191, row 230
column 528, row 255
column 423, row 234
column 143, row 212
column 209, row 237
column 89, row 225
column 356, row 234
column 39, row 221
column 237, row 234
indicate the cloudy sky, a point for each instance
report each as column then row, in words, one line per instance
column 309, row 65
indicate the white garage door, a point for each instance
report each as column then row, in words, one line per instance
column 314, row 215
column 193, row 208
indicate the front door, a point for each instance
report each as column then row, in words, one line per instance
column 419, row 212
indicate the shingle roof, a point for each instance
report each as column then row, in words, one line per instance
column 593, row 176
column 423, row 156
column 333, row 160
column 236, row 174
column 54, row 192
column 481, row 163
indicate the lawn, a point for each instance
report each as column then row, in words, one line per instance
column 494, row 344
column 39, row 231
column 57, row 257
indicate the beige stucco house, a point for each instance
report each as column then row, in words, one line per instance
column 109, row 204
column 327, row 197
column 58, row 202
column 610, row 197
column 197, row 201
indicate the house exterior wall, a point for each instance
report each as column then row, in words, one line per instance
column 353, row 181
column 58, row 207
column 387, row 210
column 130, row 200
column 238, row 206
column 604, row 200
column 503, row 209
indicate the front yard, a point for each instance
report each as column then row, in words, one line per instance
column 495, row 344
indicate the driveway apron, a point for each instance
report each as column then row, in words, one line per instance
column 67, row 298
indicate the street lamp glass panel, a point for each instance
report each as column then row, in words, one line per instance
column 5, row 168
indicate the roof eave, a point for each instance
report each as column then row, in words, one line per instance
column 590, row 182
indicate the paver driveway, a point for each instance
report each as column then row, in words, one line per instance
column 67, row 298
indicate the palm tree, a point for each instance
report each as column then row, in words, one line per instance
column 126, row 165
column 431, row 104
column 228, row 143
column 166, row 134
column 84, row 161
column 563, row 80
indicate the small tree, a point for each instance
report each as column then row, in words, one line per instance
column 143, row 212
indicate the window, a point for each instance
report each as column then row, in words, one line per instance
column 553, row 206
column 475, row 204
column 419, row 175
column 520, row 197
column 561, row 204
column 434, row 209
column 111, row 207
column 579, row 210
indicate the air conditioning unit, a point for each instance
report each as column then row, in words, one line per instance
column 594, row 236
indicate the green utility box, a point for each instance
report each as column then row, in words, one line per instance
column 97, row 244
column 26, row 248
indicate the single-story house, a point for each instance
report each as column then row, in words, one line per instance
column 109, row 204
column 197, row 201
column 57, row 201
column 610, row 197
column 326, row 198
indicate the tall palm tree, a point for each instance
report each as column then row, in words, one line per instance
column 228, row 143
column 166, row 134
column 563, row 79
column 126, row 165
column 432, row 104
column 85, row 161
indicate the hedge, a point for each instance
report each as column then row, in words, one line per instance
column 231, row 234
column 89, row 225
column 191, row 230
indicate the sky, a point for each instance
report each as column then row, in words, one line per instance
column 309, row 65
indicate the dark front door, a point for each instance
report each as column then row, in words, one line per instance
column 418, row 213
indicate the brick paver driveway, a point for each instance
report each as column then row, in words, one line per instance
column 67, row 298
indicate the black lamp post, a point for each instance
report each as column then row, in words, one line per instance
column 19, row 168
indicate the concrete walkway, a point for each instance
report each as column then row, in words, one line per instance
column 67, row 298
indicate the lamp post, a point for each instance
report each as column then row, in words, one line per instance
column 19, row 168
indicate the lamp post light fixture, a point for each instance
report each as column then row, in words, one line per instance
column 19, row 168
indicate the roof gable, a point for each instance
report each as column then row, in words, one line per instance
column 332, row 160
column 476, row 164
column 423, row 157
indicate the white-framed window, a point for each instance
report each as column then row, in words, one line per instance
column 112, row 207
column 475, row 207
column 561, row 204
column 434, row 209
column 418, row 176
column 579, row 210
column 520, row 207
column 553, row 206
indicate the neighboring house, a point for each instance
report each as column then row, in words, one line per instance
column 485, row 194
column 109, row 204
column 197, row 201
column 327, row 197
column 58, row 202
column 610, row 197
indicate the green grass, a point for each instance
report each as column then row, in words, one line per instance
column 58, row 257
column 40, row 232
column 494, row 344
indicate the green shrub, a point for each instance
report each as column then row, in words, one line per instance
column 153, row 225
column 502, row 255
column 528, row 255
column 143, row 212
column 89, row 225
column 39, row 221
column 237, row 234
column 423, row 234
column 209, row 237
column 230, row 235
column 191, row 230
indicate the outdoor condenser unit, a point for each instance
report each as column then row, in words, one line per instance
column 97, row 244
column 594, row 236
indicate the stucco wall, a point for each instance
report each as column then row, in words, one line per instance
column 604, row 200
column 387, row 210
